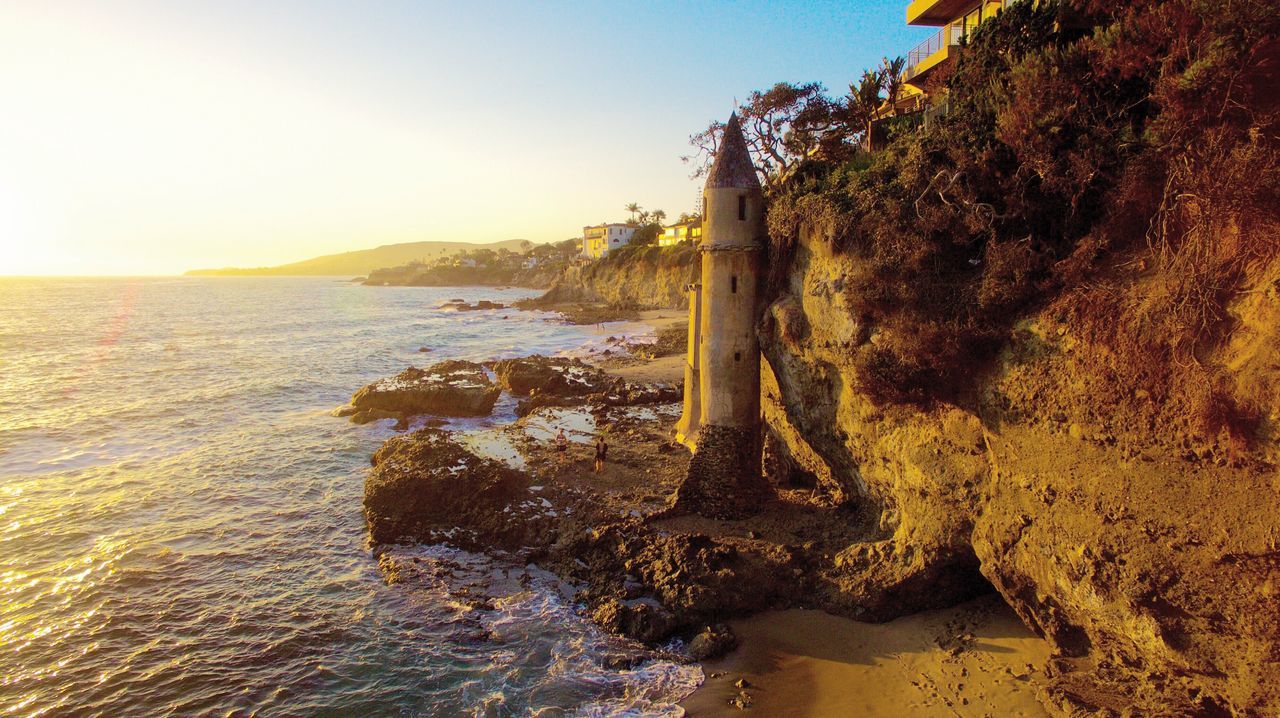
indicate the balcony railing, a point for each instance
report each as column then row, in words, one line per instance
column 949, row 36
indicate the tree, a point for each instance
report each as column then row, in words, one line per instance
column 645, row 236
column 891, row 80
column 632, row 208
column 782, row 126
column 658, row 216
column 863, row 100
column 644, row 217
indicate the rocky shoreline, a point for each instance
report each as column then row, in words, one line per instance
column 640, row 566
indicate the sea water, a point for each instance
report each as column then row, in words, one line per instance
column 180, row 522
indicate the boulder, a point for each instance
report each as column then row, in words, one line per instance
column 426, row 482
column 460, row 305
column 619, row 394
column 365, row 416
column 643, row 619
column 555, row 376
column 712, row 642
column 449, row 388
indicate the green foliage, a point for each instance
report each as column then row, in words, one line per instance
column 646, row 235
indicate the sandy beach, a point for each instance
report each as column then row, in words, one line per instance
column 662, row 369
column 976, row 659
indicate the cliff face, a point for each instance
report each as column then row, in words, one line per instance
column 1148, row 558
column 648, row 277
column 419, row 276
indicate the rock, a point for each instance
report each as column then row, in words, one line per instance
column 623, row 661
column 460, row 305
column 366, row 416
column 643, row 619
column 1122, row 566
column 742, row 683
column 557, row 376
column 713, row 642
column 344, row 410
column 425, row 481
column 449, row 388
column 424, row 349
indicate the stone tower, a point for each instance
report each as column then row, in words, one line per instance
column 722, row 388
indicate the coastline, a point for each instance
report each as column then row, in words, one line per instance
column 975, row 659
column 648, row 575
column 650, row 322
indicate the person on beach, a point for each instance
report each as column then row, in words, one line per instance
column 562, row 447
column 602, row 449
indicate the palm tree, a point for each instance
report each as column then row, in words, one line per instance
column 864, row 100
column 891, row 70
column 644, row 217
column 632, row 208
column 658, row 216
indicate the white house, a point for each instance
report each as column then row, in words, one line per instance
column 600, row 239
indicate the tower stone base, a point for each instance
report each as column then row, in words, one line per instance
column 724, row 480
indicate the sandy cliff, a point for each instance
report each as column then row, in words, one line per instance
column 1147, row 552
column 650, row 277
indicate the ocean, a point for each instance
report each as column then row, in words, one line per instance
column 180, row 520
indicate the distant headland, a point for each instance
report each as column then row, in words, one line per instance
column 362, row 262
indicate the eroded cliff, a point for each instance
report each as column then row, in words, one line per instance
column 1040, row 340
column 649, row 277
column 1148, row 554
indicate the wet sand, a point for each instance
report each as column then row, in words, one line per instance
column 976, row 659
column 662, row 369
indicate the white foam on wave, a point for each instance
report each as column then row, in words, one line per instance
column 544, row 658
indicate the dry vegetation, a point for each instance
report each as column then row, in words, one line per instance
column 1116, row 164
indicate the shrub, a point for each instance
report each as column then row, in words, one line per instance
column 1087, row 143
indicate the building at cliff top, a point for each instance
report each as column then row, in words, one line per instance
column 721, row 415
column 674, row 234
column 930, row 64
column 598, row 240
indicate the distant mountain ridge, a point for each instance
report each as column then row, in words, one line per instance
column 363, row 261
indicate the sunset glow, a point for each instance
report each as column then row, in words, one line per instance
column 143, row 138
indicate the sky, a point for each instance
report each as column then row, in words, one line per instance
column 142, row 137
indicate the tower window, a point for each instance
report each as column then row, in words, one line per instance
column 737, row 356
column 742, row 207
column 733, row 284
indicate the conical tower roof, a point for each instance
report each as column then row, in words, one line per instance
column 732, row 166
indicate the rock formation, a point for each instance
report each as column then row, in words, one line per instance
column 653, row 276
column 1153, row 570
column 424, row 485
column 551, row 375
column 448, row 388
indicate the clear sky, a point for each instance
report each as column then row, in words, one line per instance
column 154, row 137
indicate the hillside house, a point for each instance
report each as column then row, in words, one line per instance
column 929, row 64
column 674, row 234
column 598, row 240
